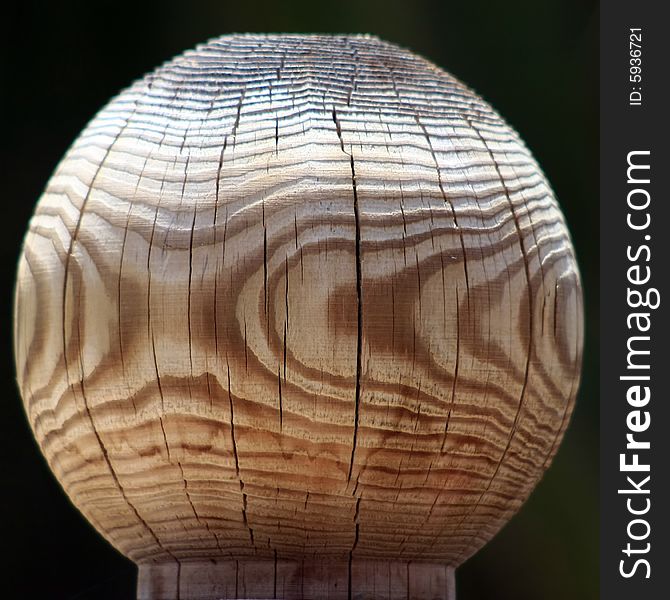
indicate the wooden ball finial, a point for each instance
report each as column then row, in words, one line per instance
column 298, row 317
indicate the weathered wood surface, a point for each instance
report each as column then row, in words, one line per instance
column 306, row 579
column 298, row 297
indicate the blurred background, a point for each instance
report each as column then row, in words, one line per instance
column 535, row 61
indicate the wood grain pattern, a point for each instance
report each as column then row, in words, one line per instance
column 289, row 580
column 295, row 297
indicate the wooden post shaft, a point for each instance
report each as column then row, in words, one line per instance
column 296, row 580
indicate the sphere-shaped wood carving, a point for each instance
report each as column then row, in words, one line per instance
column 294, row 298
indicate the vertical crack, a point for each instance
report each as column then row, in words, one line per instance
column 237, row 116
column 448, row 202
column 167, row 447
column 134, row 509
column 119, row 280
column 237, row 578
column 573, row 385
column 529, row 346
column 274, row 593
column 555, row 315
column 246, row 346
column 87, row 410
column 359, row 295
column 407, row 580
column 453, row 385
column 281, row 408
column 357, row 522
column 200, row 522
column 286, row 311
column 190, row 268
column 265, row 268
column 150, row 332
column 237, row 460
column 190, row 264
column 223, row 248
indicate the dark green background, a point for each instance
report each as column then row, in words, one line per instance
column 535, row 61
